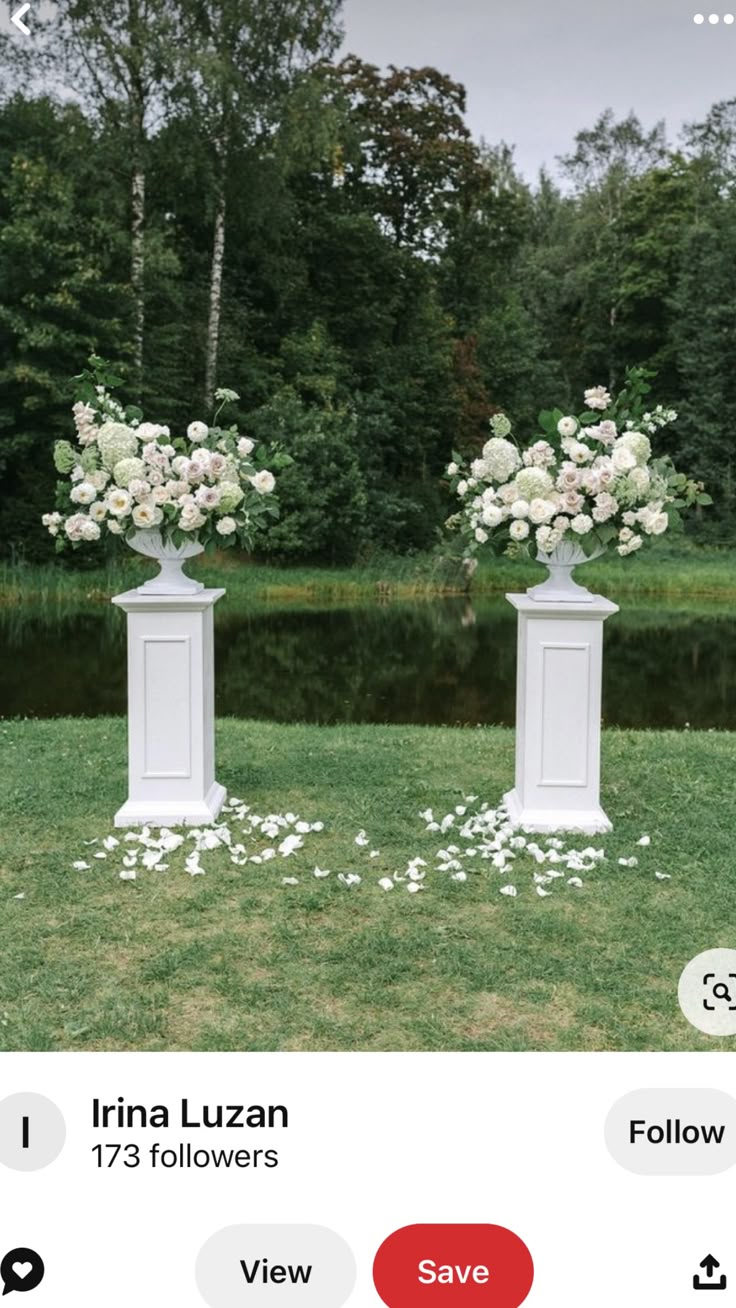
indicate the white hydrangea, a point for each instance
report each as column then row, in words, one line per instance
column 501, row 457
column 532, row 484
column 116, row 441
column 639, row 444
column 128, row 470
column 639, row 480
column 480, row 470
column 500, row 424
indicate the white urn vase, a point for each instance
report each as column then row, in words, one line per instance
column 559, row 586
column 171, row 578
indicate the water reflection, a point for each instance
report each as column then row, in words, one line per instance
column 441, row 662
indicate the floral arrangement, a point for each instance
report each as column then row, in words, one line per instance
column 125, row 475
column 591, row 480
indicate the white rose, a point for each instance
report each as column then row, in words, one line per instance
column 115, row 527
column 578, row 452
column 201, row 457
column 519, row 509
column 226, row 526
column 572, row 502
column 83, row 493
column 246, row 447
column 561, row 524
column 541, row 510
column 218, row 464
column 97, row 512
column 597, row 397
column 207, row 497
column 263, row 482
column 197, row 431
column 658, row 524
column 90, row 530
column 625, row 534
column 119, row 502
column 605, row 507
column 151, row 431
column 180, row 465
column 481, row 536
column 567, row 426
column 144, row 515
column 452, row 468
column 491, row 515
column 519, row 530
column 634, row 544
column 582, row 524
column 462, row 488
column 623, row 459
column 191, row 518
column 569, row 478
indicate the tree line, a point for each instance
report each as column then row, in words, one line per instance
column 208, row 195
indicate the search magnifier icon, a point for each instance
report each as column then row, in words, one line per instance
column 720, row 991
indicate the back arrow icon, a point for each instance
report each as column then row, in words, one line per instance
column 18, row 17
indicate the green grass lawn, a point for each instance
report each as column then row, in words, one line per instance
column 236, row 960
column 681, row 571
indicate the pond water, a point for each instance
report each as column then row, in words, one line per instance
column 434, row 662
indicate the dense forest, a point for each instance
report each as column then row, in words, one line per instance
column 207, row 195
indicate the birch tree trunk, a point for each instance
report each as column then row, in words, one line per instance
column 137, row 263
column 215, row 311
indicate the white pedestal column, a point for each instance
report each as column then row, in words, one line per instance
column 558, row 715
column 171, row 710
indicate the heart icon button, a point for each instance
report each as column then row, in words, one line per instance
column 21, row 1269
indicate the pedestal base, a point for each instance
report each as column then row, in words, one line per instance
column 174, row 813
column 171, row 709
column 588, row 822
column 558, row 715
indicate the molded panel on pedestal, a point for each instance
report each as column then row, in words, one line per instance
column 167, row 688
column 564, row 709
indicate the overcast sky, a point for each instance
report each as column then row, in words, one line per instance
column 537, row 71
